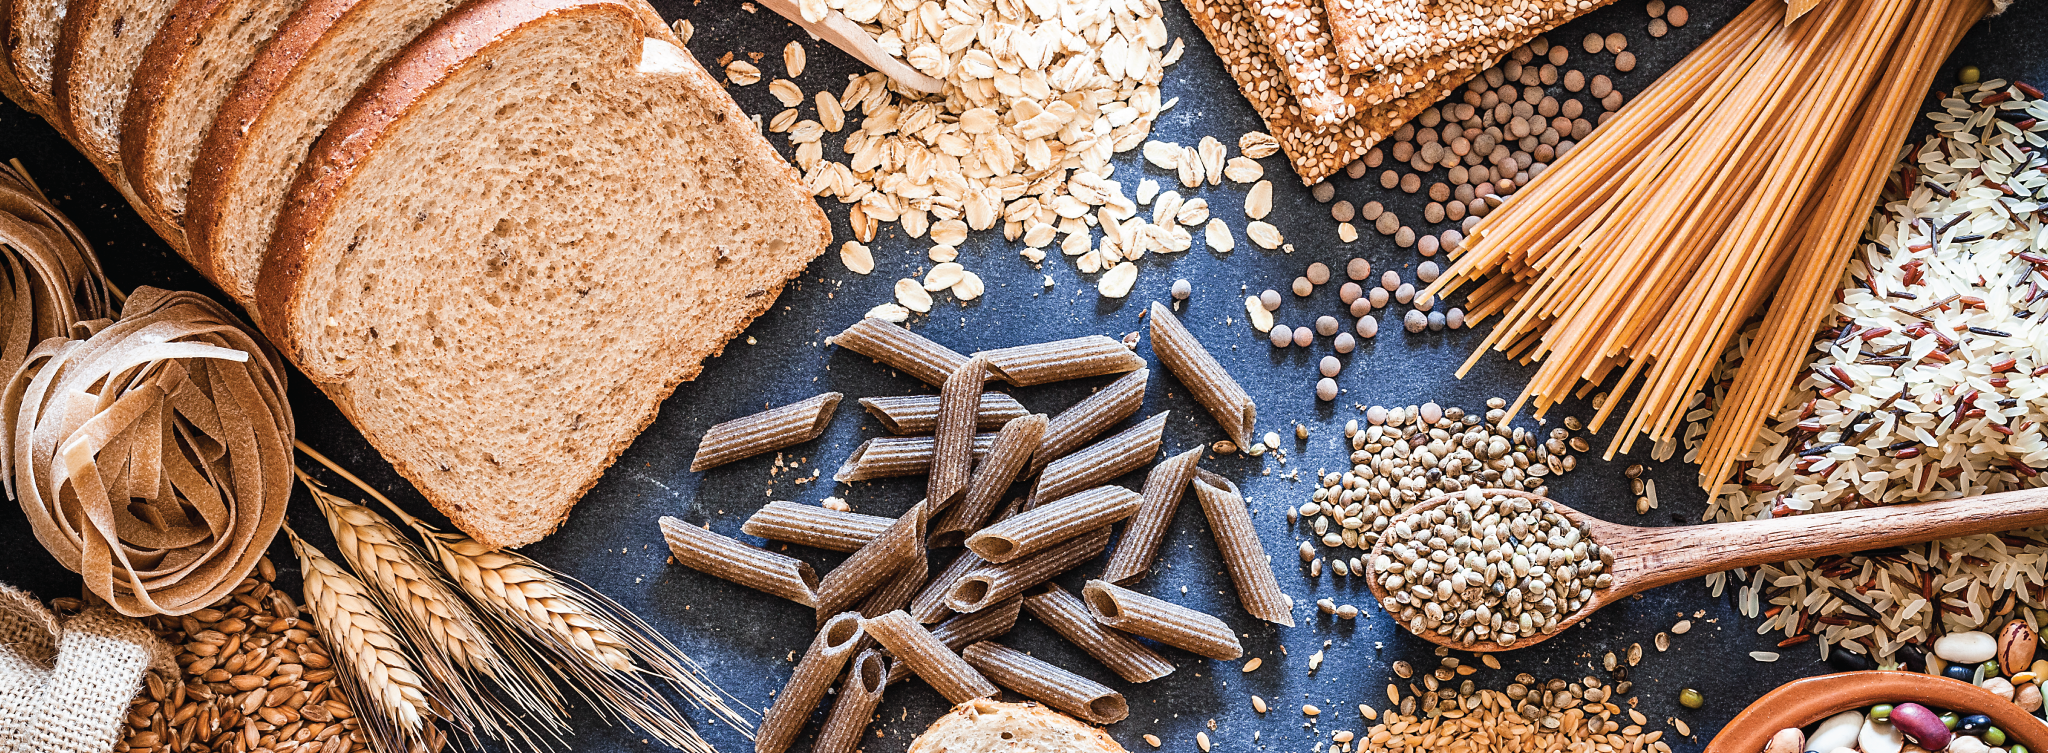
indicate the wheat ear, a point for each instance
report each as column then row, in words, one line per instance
column 440, row 624
column 375, row 671
column 596, row 639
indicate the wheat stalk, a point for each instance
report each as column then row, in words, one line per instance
column 375, row 671
column 596, row 640
column 440, row 624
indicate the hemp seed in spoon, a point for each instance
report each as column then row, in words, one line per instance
column 1483, row 567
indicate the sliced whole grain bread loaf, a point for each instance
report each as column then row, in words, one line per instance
column 185, row 73
column 31, row 28
column 985, row 726
column 310, row 69
column 515, row 242
column 96, row 60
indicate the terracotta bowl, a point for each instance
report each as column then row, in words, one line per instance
column 1802, row 703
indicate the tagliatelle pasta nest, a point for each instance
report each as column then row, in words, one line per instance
column 153, row 456
column 49, row 277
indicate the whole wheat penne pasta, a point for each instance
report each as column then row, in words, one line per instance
column 930, row 604
column 1064, row 612
column 964, row 629
column 766, row 431
column 919, row 414
column 992, row 476
column 1164, row 487
column 733, row 560
column 896, row 593
column 1126, row 451
column 871, row 566
column 901, row 349
column 1047, row 684
column 814, row 526
column 1238, row 541
column 828, row 653
column 1048, row 525
column 1088, row 419
column 929, row 659
column 1061, row 360
column 859, row 695
column 1160, row 620
column 989, row 585
column 1213, row 387
column 884, row 457
column 953, row 443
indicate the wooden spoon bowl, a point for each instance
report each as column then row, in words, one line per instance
column 1645, row 558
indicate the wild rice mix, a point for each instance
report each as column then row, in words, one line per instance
column 1927, row 385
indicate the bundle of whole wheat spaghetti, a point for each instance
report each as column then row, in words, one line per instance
column 1733, row 188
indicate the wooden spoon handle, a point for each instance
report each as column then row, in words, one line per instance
column 1652, row 557
column 841, row 32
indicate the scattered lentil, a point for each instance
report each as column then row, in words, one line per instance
column 1326, row 389
column 1415, row 321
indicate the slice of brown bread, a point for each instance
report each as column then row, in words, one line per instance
column 985, row 726
column 185, row 74
column 312, row 67
column 517, row 239
column 31, row 28
column 96, row 59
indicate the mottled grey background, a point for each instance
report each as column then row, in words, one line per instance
column 744, row 639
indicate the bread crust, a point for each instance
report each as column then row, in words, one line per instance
column 161, row 61
column 222, row 148
column 982, row 717
column 33, row 96
column 69, row 41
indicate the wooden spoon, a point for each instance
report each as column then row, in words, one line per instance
column 1645, row 558
column 841, row 32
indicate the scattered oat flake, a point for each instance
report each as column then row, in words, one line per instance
column 1255, row 311
column 1217, row 234
column 969, row 287
column 786, row 92
column 944, row 276
column 856, row 257
column 684, row 30
column 1164, row 155
column 1118, row 281
column 1267, row 236
column 913, row 296
column 1259, row 202
column 1257, row 145
column 1684, row 730
column 1243, row 170
column 742, row 73
column 889, row 312
column 793, row 59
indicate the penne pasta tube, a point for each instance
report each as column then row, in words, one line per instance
column 872, row 566
column 1067, row 615
column 993, row 475
column 962, row 630
column 1103, row 461
column 930, row 604
column 929, row 659
column 814, row 526
column 766, row 431
column 1047, row 684
column 1164, row 487
column 1088, row 419
column 919, row 414
column 953, row 444
column 1238, row 541
column 859, row 695
column 1160, row 620
column 885, row 457
column 1048, row 525
column 828, row 653
column 1061, row 360
column 992, row 584
column 1204, row 376
column 901, row 349
column 733, row 560
column 896, row 593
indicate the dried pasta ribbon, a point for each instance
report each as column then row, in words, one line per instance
column 733, row 560
column 154, row 456
column 1061, row 360
column 1243, row 556
column 924, row 655
column 49, row 277
column 1160, row 620
column 1006, row 458
column 1103, row 461
column 1195, row 367
column 1048, row 525
column 919, row 414
column 1164, row 488
column 1047, row 684
column 953, row 442
column 886, row 457
column 767, row 431
column 859, row 695
column 829, row 651
column 815, row 527
column 901, row 349
column 1067, row 615
column 993, row 584
column 1086, row 420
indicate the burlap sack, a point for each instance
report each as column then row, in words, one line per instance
column 66, row 689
